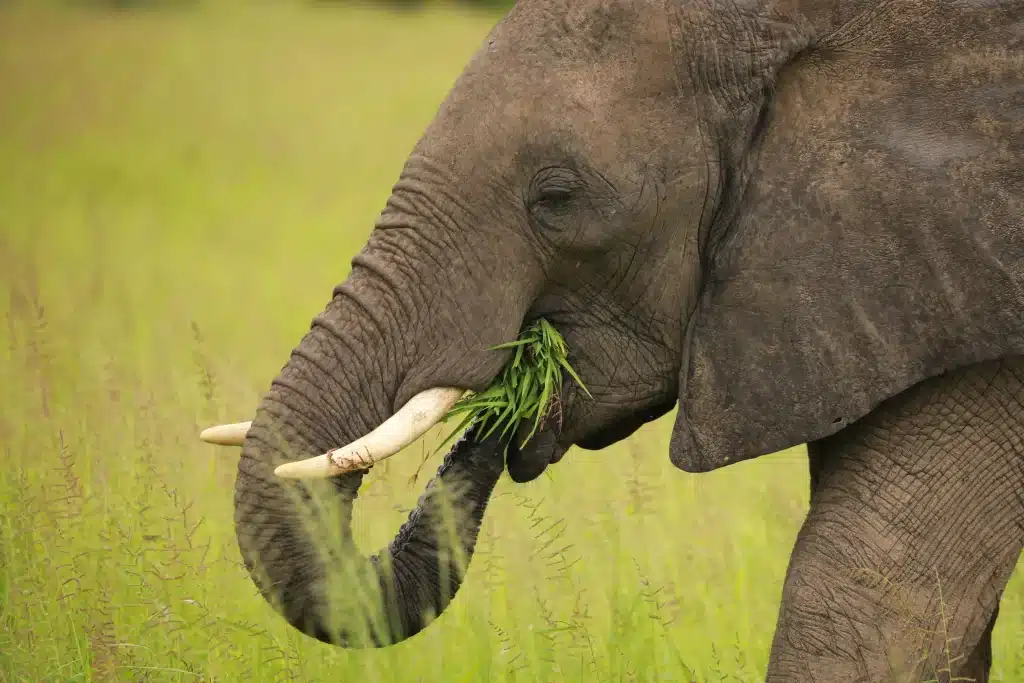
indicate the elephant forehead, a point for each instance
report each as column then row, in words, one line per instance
column 584, row 51
column 517, row 93
column 570, row 124
column 583, row 29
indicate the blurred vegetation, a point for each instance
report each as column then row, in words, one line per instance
column 179, row 193
column 396, row 5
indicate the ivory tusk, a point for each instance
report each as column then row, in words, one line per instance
column 226, row 435
column 413, row 420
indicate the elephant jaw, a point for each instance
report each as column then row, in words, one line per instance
column 413, row 420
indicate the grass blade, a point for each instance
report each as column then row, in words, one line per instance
column 524, row 389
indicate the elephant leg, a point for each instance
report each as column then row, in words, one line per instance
column 979, row 664
column 915, row 525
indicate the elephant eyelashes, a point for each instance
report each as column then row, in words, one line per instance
column 552, row 210
column 552, row 193
column 553, row 199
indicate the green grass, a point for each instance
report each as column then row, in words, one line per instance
column 526, row 389
column 178, row 195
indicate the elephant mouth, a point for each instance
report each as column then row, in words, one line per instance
column 422, row 412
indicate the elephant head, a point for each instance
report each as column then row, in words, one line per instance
column 709, row 202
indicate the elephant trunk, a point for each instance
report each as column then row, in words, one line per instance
column 417, row 575
column 295, row 535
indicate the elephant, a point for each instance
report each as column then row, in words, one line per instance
column 793, row 221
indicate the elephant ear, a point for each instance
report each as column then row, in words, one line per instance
column 878, row 239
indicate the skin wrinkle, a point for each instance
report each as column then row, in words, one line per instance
column 395, row 317
column 619, row 369
column 425, row 202
column 373, row 312
column 433, row 272
column 390, row 247
column 584, row 359
column 316, row 422
column 428, row 245
column 344, row 345
column 602, row 314
column 655, row 220
column 405, row 316
column 310, row 392
column 457, row 251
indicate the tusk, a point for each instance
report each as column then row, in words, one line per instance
column 226, row 435
column 423, row 411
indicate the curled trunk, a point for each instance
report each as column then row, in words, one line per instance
column 292, row 559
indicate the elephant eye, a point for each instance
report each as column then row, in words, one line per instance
column 552, row 197
column 553, row 190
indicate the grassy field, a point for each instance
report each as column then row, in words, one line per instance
column 179, row 192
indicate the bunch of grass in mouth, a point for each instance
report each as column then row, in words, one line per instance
column 528, row 388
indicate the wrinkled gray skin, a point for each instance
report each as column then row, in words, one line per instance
column 798, row 221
